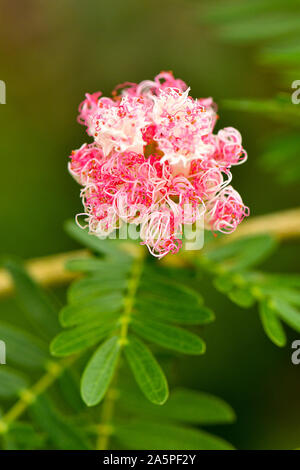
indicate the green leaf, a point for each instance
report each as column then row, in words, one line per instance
column 287, row 313
column 281, row 54
column 11, row 382
column 242, row 297
column 80, row 338
column 86, row 264
column 169, row 294
column 105, row 246
column 86, row 289
column 99, row 267
column 291, row 296
column 169, row 336
column 260, row 28
column 92, row 310
column 147, row 371
column 99, row 371
column 272, row 324
column 64, row 436
column 37, row 305
column 175, row 314
column 231, row 10
column 184, row 405
column 282, row 280
column 22, row 348
column 160, row 436
column 23, row 436
column 172, row 302
column 242, row 253
column 280, row 156
column 223, row 283
column 281, row 110
column 198, row 407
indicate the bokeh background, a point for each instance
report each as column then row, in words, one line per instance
column 51, row 53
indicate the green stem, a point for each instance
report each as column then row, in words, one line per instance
column 28, row 396
column 108, row 406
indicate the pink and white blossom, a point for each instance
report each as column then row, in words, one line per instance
column 156, row 162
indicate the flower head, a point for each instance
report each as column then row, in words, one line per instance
column 155, row 162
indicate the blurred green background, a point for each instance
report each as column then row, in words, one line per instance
column 51, row 53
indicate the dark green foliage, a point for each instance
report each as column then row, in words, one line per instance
column 24, row 349
column 225, row 38
column 11, row 383
column 278, row 295
column 23, row 436
column 160, row 436
column 184, row 405
column 280, row 108
column 271, row 28
column 141, row 300
column 173, row 425
column 110, row 313
column 278, row 151
column 63, row 435
column 47, row 427
column 38, row 307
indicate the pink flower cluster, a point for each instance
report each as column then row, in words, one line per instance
column 155, row 162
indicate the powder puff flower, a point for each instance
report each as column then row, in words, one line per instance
column 227, row 211
column 155, row 162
